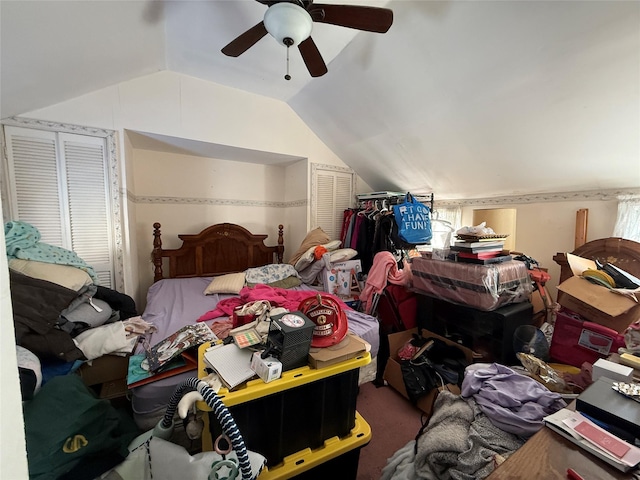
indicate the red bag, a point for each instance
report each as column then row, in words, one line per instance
column 397, row 309
column 576, row 341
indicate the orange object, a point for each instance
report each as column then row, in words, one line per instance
column 319, row 251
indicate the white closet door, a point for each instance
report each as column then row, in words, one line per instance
column 59, row 183
column 34, row 182
column 334, row 194
column 84, row 164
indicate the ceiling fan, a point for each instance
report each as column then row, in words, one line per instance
column 290, row 22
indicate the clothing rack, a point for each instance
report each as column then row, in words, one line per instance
column 392, row 198
column 373, row 220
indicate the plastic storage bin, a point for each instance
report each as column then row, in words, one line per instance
column 301, row 410
column 337, row 458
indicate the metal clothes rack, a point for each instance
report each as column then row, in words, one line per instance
column 392, row 198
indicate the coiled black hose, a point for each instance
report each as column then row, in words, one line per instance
column 221, row 412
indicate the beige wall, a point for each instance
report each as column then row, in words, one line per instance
column 186, row 193
column 129, row 215
column 171, row 104
column 546, row 228
column 13, row 453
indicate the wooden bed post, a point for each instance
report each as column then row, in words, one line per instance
column 156, row 254
column 280, row 253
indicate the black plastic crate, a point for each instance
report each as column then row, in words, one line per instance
column 344, row 467
column 302, row 417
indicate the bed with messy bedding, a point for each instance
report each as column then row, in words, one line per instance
column 223, row 267
column 65, row 322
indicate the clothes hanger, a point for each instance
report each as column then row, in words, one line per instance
column 367, row 208
column 376, row 210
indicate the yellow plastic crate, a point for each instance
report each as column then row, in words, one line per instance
column 256, row 389
column 301, row 410
column 305, row 460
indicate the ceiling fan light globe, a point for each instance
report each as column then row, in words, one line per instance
column 286, row 20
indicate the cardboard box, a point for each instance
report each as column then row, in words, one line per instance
column 594, row 302
column 349, row 348
column 338, row 279
column 393, row 372
column 106, row 368
column 268, row 369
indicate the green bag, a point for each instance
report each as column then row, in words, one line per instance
column 72, row 434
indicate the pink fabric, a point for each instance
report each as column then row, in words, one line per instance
column 384, row 269
column 278, row 297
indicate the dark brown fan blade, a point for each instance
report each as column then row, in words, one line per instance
column 245, row 41
column 312, row 58
column 369, row 19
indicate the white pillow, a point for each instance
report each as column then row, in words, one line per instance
column 308, row 257
column 65, row 275
column 229, row 283
column 342, row 255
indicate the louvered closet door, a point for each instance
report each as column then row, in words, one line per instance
column 84, row 166
column 59, row 183
column 334, row 194
column 34, row 182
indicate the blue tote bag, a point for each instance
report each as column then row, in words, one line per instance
column 413, row 220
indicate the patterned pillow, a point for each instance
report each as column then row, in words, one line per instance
column 268, row 274
column 229, row 283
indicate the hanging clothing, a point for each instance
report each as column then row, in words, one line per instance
column 384, row 270
column 346, row 220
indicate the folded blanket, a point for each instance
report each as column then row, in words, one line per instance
column 23, row 241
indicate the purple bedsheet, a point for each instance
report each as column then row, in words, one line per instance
column 174, row 303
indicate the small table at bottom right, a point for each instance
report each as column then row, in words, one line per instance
column 548, row 455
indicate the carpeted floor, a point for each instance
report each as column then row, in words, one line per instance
column 394, row 421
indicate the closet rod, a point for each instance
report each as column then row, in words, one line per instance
column 394, row 197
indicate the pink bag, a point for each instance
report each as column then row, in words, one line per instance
column 576, row 341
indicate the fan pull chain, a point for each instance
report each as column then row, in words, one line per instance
column 288, row 42
column 287, row 76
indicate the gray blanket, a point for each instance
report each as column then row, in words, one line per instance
column 459, row 443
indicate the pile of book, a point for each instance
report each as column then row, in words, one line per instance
column 173, row 355
column 480, row 249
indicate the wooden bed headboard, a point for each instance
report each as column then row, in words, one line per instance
column 621, row 252
column 216, row 250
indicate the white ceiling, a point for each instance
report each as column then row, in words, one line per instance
column 462, row 98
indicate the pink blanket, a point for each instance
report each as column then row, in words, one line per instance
column 277, row 297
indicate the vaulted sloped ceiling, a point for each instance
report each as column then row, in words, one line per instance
column 463, row 98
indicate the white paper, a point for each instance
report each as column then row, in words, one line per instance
column 580, row 264
column 631, row 458
column 232, row 364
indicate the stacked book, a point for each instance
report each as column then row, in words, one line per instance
column 480, row 249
